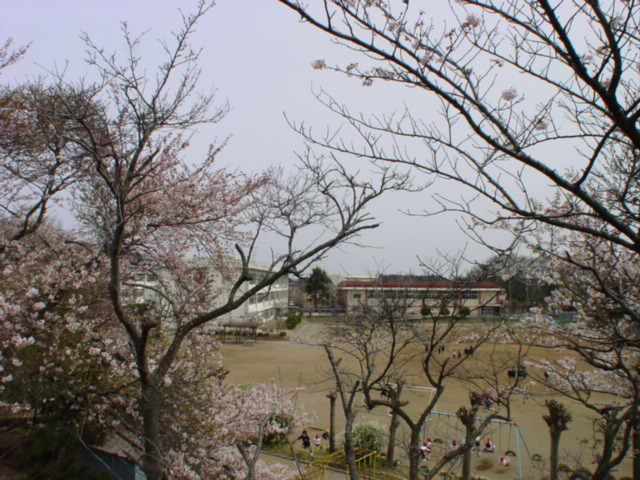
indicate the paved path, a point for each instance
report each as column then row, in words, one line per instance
column 306, row 334
column 329, row 474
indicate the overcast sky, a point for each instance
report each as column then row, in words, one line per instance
column 258, row 57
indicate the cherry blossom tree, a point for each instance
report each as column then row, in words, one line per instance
column 10, row 54
column 581, row 60
column 38, row 161
column 237, row 421
column 556, row 154
column 59, row 359
column 164, row 245
column 61, row 362
column 597, row 280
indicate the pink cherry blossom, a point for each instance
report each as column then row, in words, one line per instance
column 509, row 94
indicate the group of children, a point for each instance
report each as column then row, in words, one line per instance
column 489, row 447
column 306, row 440
column 425, row 448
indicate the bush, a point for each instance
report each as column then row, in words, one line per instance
column 368, row 436
column 293, row 321
column 283, row 334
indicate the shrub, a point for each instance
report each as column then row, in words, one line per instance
column 283, row 334
column 444, row 312
column 368, row 436
column 293, row 321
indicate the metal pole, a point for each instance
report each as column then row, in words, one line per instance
column 518, row 452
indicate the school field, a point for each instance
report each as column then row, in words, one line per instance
column 297, row 362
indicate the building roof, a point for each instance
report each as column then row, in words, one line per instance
column 421, row 285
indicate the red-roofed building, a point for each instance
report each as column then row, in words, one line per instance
column 420, row 297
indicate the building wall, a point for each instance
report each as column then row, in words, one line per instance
column 269, row 302
column 265, row 305
column 480, row 298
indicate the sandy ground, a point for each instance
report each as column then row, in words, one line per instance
column 297, row 363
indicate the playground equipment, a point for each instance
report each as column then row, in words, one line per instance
column 505, row 436
column 365, row 460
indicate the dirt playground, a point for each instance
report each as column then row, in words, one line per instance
column 297, row 363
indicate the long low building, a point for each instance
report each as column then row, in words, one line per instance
column 420, row 298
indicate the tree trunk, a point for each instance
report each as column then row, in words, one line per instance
column 332, row 421
column 391, row 446
column 635, row 445
column 349, row 451
column 152, row 458
column 249, row 461
column 470, row 434
column 558, row 421
column 415, row 455
column 554, row 454
column 468, row 419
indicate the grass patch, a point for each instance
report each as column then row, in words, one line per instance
column 320, row 319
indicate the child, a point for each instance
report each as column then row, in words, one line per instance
column 489, row 446
column 425, row 450
column 318, row 441
column 476, row 445
column 504, row 461
column 306, row 441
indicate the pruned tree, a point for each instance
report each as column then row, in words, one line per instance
column 558, row 421
column 159, row 232
column 563, row 162
column 347, row 391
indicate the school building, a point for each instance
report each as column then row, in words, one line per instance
column 412, row 296
column 266, row 304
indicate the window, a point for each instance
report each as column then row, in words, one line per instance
column 470, row 295
column 486, row 311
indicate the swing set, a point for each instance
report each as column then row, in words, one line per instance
column 454, row 434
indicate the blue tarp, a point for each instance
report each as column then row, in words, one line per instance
column 119, row 467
